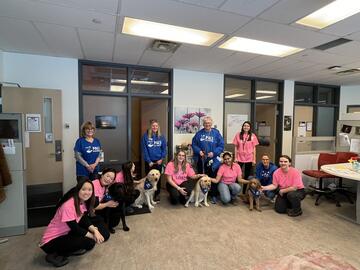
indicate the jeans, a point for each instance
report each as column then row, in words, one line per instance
column 270, row 194
column 228, row 191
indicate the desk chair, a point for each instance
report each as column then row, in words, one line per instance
column 343, row 157
column 324, row 159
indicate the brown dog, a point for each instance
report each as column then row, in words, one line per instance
column 200, row 192
column 254, row 193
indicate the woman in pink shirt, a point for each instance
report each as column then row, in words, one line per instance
column 227, row 176
column 177, row 172
column 71, row 232
column 245, row 142
column 287, row 180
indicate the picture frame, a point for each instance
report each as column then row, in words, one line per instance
column 33, row 122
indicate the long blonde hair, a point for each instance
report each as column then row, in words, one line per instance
column 176, row 162
column 150, row 132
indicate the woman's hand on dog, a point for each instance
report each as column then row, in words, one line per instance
column 182, row 191
column 112, row 204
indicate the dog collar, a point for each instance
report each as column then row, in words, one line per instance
column 255, row 192
column 147, row 185
column 107, row 197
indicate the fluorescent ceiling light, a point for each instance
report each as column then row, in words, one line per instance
column 139, row 82
column 165, row 92
column 331, row 13
column 169, row 32
column 235, row 95
column 258, row 47
column 264, row 97
column 117, row 88
column 265, row 92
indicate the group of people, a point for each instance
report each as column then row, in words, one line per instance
column 86, row 215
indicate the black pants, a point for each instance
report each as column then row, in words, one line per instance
column 291, row 200
column 175, row 196
column 247, row 170
column 202, row 168
column 156, row 167
column 66, row 244
column 92, row 176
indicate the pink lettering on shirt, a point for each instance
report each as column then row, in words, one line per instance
column 179, row 177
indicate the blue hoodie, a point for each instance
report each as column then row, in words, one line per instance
column 265, row 175
column 153, row 148
column 208, row 141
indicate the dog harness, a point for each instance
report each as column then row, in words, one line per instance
column 147, row 185
column 255, row 192
column 107, row 197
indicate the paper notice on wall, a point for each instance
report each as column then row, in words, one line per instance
column 234, row 123
column 344, row 140
column 302, row 131
column 355, row 145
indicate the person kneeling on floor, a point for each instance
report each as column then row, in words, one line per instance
column 287, row 180
column 71, row 232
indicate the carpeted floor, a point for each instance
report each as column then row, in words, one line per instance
column 215, row 237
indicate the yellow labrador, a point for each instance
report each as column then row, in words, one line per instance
column 200, row 192
column 147, row 188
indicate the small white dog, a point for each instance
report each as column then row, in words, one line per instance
column 200, row 192
column 147, row 188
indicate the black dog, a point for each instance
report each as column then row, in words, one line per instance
column 118, row 192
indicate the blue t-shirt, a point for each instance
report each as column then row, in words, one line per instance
column 265, row 174
column 89, row 152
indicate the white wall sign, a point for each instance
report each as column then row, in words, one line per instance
column 33, row 122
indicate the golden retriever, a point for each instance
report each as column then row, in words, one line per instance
column 147, row 188
column 200, row 192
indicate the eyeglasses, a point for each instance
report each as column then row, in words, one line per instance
column 227, row 159
column 89, row 129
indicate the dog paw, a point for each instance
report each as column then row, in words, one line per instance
column 139, row 206
column 196, row 204
column 126, row 228
column 206, row 204
column 154, row 203
column 186, row 205
column 250, row 209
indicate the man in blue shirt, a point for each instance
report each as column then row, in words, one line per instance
column 264, row 172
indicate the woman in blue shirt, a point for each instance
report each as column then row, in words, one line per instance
column 153, row 146
column 87, row 153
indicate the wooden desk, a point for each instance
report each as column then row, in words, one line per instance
column 343, row 170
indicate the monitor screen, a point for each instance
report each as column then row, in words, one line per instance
column 9, row 129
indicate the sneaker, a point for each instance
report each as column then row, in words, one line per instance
column 294, row 213
column 234, row 202
column 56, row 260
column 213, row 200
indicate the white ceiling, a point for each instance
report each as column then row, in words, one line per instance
column 65, row 28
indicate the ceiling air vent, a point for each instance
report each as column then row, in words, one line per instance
column 332, row 44
column 164, row 46
column 349, row 71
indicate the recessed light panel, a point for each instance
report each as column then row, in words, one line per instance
column 169, row 32
column 331, row 13
column 258, row 47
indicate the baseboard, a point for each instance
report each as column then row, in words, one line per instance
column 11, row 231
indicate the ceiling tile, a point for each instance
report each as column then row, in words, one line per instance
column 21, row 36
column 251, row 64
column 283, row 34
column 344, row 27
column 288, row 11
column 321, row 57
column 249, row 8
column 97, row 45
column 48, row 13
column 107, row 6
column 181, row 14
column 153, row 58
column 350, row 49
column 128, row 49
column 204, row 3
column 62, row 40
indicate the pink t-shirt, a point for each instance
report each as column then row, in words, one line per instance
column 228, row 174
column 180, row 176
column 119, row 178
column 57, row 226
column 244, row 148
column 290, row 179
column 99, row 190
